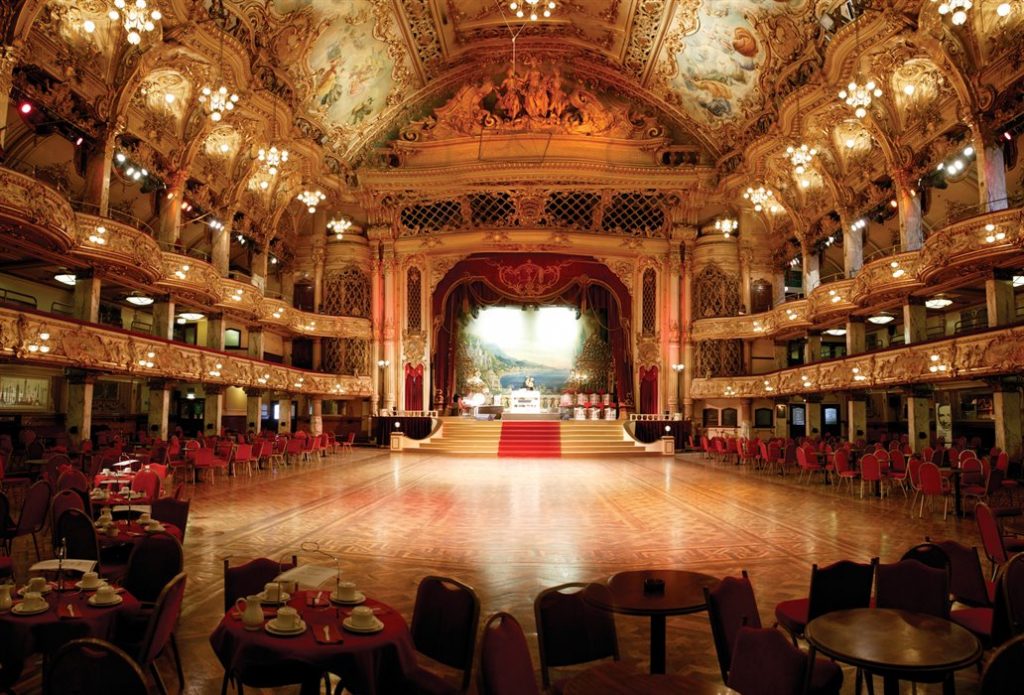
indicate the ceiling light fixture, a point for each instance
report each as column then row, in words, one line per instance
column 859, row 96
column 801, row 157
column 272, row 160
column 311, row 199
column 138, row 19
column 190, row 315
column 881, row 318
column 938, row 302
column 139, row 299
column 727, row 226
column 218, row 102
column 338, row 226
column 835, row 331
column 762, row 198
column 535, row 9
column 956, row 9
column 66, row 278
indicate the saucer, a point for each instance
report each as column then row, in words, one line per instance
column 45, row 590
column 376, row 627
column 272, row 628
column 20, row 609
column 81, row 586
column 155, row 529
column 285, row 597
column 103, row 604
column 360, row 597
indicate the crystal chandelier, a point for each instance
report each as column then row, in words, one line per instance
column 801, row 157
column 762, row 198
column 531, row 8
column 271, row 160
column 137, row 18
column 957, row 9
column 858, row 97
column 311, row 199
column 338, row 226
column 218, row 101
column 726, row 226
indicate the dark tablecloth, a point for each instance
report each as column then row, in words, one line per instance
column 652, row 430
column 411, row 427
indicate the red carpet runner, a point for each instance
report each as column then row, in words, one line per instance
column 530, row 438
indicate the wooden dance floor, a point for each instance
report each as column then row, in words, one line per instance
column 512, row 527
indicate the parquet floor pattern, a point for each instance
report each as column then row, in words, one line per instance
column 512, row 527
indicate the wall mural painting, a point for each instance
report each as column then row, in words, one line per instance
column 20, row 393
column 501, row 348
column 712, row 63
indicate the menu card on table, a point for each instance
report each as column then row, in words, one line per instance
column 308, row 576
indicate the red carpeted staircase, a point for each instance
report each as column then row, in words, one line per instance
column 530, row 438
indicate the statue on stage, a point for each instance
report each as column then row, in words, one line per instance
column 529, row 385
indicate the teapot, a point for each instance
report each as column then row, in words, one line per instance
column 6, row 602
column 252, row 612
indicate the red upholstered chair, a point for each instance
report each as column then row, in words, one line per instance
column 445, row 619
column 206, row 461
column 933, row 485
column 93, row 667
column 293, row 450
column 72, row 479
column 992, row 540
column 764, row 663
column 62, row 501
column 840, row 586
column 1003, row 465
column 570, row 631
column 505, row 666
column 172, row 511
column 732, row 606
column 871, row 472
column 160, row 632
column 33, row 517
column 251, row 577
column 898, row 472
column 1013, row 592
column 989, row 624
column 808, row 465
column 843, row 470
column 155, row 560
column 911, row 585
column 967, row 584
column 1005, row 670
column 243, row 456
column 349, row 441
column 148, row 483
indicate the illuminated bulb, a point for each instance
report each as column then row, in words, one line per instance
column 89, row 26
column 908, row 89
column 1003, row 10
column 850, row 142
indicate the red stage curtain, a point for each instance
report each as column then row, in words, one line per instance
column 649, row 390
column 414, row 387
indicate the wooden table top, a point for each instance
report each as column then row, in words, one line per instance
column 617, row 678
column 893, row 640
column 624, row 592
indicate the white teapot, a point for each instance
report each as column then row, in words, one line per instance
column 252, row 612
column 6, row 602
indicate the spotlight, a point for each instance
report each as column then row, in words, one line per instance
column 25, row 108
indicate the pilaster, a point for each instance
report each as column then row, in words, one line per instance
column 80, row 392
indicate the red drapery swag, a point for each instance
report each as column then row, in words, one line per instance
column 522, row 278
column 649, row 390
column 414, row 387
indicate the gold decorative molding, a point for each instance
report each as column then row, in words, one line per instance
column 40, row 339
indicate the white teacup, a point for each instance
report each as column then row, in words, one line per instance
column 287, row 618
column 362, row 616
column 145, row 518
column 105, row 471
column 272, row 591
column 90, row 580
column 36, row 585
column 346, row 591
column 106, row 594
column 113, row 530
column 33, row 601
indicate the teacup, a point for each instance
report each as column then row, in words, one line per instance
column 106, row 594
column 105, row 471
column 112, row 530
column 362, row 616
column 272, row 591
column 346, row 591
column 90, row 580
column 36, row 585
column 33, row 601
column 145, row 518
column 287, row 618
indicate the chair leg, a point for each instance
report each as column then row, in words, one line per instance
column 177, row 661
column 161, row 688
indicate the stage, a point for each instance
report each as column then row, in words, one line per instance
column 508, row 415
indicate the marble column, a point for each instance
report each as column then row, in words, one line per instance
column 170, row 201
column 288, row 287
column 1006, row 402
column 159, row 406
column 999, row 299
column 316, row 419
column 812, row 269
column 9, row 57
column 317, row 354
column 908, row 204
column 856, row 335
column 781, row 423
column 80, row 391
column 853, row 251
column 915, row 321
column 919, row 422
column 857, row 416
column 286, row 351
column 689, row 238
column 390, row 322
column 163, row 318
column 97, row 172
column 87, row 296
column 215, row 332
column 213, row 409
column 220, row 251
column 988, row 148
column 813, row 427
column 746, row 417
column 377, row 326
column 254, row 408
column 256, row 343
column 318, row 257
column 812, row 348
column 260, row 259
column 673, row 330
column 284, row 422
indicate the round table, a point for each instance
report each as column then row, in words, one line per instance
column 616, row 678
column 131, row 532
column 624, row 593
column 363, row 660
column 892, row 643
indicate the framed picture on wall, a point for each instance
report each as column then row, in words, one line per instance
column 25, row 393
column 780, row 411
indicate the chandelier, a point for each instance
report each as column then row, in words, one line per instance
column 531, row 8
column 137, row 18
column 218, row 101
column 311, row 199
column 338, row 226
column 957, row 9
column 801, row 157
column 271, row 160
column 858, row 97
column 762, row 198
column 726, row 226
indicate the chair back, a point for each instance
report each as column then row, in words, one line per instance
column 765, row 663
column 914, row 472
column 33, row 511
column 966, row 579
column 731, row 605
column 72, row 479
column 172, row 511
column 180, row 492
column 62, row 501
column 840, row 586
column 251, row 577
column 973, row 473
column 93, row 667
column 445, row 619
column 842, row 459
column 1005, row 670
column 570, row 630
column 77, row 530
column 243, row 452
column 162, row 620
column 930, row 554
column 931, row 479
column 294, row 446
column 1012, row 583
column 505, row 666
column 148, row 483
column 897, row 461
column 155, row 560
column 870, row 468
column 913, row 586
column 991, row 536
column 1003, row 462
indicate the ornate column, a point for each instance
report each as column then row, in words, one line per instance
column 159, row 406
column 284, row 421
column 254, row 408
column 915, row 321
column 260, row 258
column 288, row 287
column 1006, row 402
column 220, row 249
column 811, row 267
column 286, row 351
column 812, row 348
column 98, row 167
column 999, row 299
column 9, row 57
column 671, row 326
column 80, row 390
column 87, row 296
column 813, row 426
column 688, row 234
column 988, row 148
column 909, row 205
column 853, row 247
column 857, row 416
column 319, row 255
column 746, row 416
column 388, row 266
column 163, row 318
column 919, row 424
column 256, row 343
column 856, row 336
column 317, row 354
column 215, row 331
column 316, row 419
column 213, row 409
column 376, row 314
column 169, row 220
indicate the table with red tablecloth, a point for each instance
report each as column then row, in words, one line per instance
column 131, row 532
column 367, row 663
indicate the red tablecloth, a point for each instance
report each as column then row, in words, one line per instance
column 113, row 479
column 48, row 631
column 366, row 663
column 130, row 532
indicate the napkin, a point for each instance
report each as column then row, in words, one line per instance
column 334, row 631
column 318, row 598
column 69, row 611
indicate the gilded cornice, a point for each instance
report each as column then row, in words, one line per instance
column 995, row 352
column 67, row 343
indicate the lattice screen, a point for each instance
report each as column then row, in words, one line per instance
column 719, row 358
column 635, row 214
column 347, row 293
column 760, row 296
column 571, row 209
column 716, row 293
column 649, row 297
column 347, row 356
column 432, row 217
column 414, row 299
column 493, row 209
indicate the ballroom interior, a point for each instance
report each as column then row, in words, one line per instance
column 531, row 288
